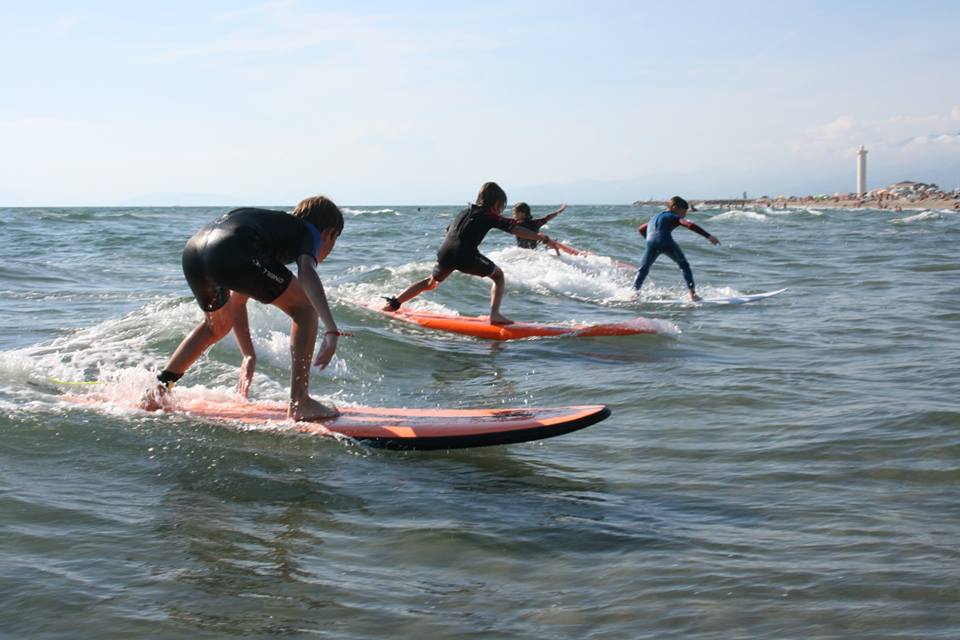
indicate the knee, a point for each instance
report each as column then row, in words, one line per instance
column 305, row 315
column 217, row 324
column 497, row 276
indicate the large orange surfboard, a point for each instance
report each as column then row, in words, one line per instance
column 480, row 326
column 401, row 428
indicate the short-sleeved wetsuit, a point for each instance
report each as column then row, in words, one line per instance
column 660, row 240
column 245, row 251
column 460, row 250
column 532, row 224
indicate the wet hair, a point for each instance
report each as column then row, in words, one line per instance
column 491, row 195
column 321, row 212
column 522, row 208
column 680, row 203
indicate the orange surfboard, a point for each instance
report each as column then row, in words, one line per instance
column 480, row 327
column 400, row 428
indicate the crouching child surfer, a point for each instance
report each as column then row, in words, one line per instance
column 243, row 255
column 460, row 250
column 524, row 218
column 658, row 232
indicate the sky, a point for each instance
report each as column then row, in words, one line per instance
column 600, row 102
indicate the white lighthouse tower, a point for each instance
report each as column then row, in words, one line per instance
column 861, row 171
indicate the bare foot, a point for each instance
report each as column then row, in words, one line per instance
column 310, row 410
column 695, row 297
column 499, row 318
column 157, row 398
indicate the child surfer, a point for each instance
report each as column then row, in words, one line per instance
column 460, row 250
column 525, row 219
column 659, row 240
column 242, row 255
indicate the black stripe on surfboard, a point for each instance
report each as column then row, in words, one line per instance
column 430, row 443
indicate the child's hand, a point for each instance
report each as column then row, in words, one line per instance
column 246, row 375
column 327, row 348
column 713, row 240
column 547, row 240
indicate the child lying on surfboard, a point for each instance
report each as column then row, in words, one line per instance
column 460, row 250
column 659, row 240
column 242, row 255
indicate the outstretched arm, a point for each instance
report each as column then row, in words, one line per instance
column 698, row 229
column 241, row 331
column 526, row 234
column 553, row 214
column 313, row 287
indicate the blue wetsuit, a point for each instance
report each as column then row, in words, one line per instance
column 660, row 241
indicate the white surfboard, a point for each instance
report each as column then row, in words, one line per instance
column 743, row 299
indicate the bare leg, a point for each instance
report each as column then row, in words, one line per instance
column 214, row 326
column 496, row 297
column 415, row 289
column 212, row 329
column 303, row 338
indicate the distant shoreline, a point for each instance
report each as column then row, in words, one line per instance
column 841, row 202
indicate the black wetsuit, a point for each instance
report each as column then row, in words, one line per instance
column 532, row 224
column 460, row 250
column 245, row 251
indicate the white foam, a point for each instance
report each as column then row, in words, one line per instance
column 587, row 277
column 740, row 215
column 360, row 212
column 920, row 217
column 118, row 358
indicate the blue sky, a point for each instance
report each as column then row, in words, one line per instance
column 109, row 103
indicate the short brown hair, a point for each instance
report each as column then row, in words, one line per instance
column 680, row 203
column 491, row 195
column 321, row 212
column 522, row 207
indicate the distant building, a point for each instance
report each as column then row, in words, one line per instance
column 861, row 171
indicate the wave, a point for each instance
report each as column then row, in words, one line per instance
column 590, row 278
column 359, row 212
column 740, row 215
column 920, row 217
column 120, row 357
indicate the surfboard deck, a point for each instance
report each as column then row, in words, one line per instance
column 402, row 428
column 723, row 299
column 480, row 326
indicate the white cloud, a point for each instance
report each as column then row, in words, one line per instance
column 844, row 134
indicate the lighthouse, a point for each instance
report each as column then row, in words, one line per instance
column 861, row 171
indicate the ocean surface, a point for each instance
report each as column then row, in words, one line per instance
column 783, row 469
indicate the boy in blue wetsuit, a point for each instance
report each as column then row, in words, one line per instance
column 659, row 240
column 460, row 250
column 242, row 255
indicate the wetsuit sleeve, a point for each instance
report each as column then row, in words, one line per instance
column 643, row 229
column 695, row 227
column 539, row 222
column 310, row 243
column 504, row 224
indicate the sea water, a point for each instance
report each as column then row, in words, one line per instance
column 783, row 469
